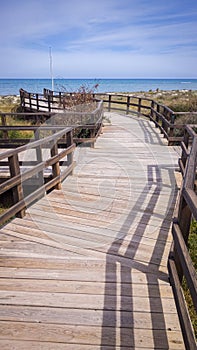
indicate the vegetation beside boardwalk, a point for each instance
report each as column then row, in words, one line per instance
column 177, row 100
column 11, row 104
column 180, row 101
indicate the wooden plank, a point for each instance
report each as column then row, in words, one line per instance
column 35, row 345
column 136, row 247
column 90, row 241
column 140, row 228
column 52, row 243
column 135, row 251
column 83, row 274
column 124, row 319
column 109, row 209
column 85, row 287
column 87, row 335
column 161, row 235
column 17, row 191
column 66, row 300
column 117, row 221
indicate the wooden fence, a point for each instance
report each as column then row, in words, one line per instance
column 163, row 117
column 23, row 167
column 82, row 123
column 179, row 263
column 46, row 129
column 38, row 102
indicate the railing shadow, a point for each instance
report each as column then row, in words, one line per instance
column 151, row 136
column 117, row 307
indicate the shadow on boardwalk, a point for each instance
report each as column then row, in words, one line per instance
column 128, row 338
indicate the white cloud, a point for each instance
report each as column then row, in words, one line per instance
column 89, row 39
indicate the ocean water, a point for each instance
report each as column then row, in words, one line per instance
column 12, row 86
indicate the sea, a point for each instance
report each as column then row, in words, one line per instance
column 12, row 86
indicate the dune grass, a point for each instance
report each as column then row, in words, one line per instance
column 11, row 104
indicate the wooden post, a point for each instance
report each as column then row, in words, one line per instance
column 17, row 191
column 30, row 101
column 184, row 222
column 184, row 218
column 184, row 211
column 162, row 122
column 37, row 102
column 49, row 103
column 69, row 141
column 39, row 158
column 139, row 106
column 186, row 142
column 171, row 131
column 3, row 122
column 128, row 104
column 22, row 98
column 109, row 103
column 60, row 98
column 152, row 110
column 158, row 111
column 56, row 166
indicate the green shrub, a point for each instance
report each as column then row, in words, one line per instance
column 17, row 134
column 183, row 120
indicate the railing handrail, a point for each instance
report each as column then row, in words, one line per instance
column 35, row 100
column 163, row 116
column 179, row 263
column 15, row 182
column 34, row 144
column 91, row 120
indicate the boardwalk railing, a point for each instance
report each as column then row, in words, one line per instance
column 86, row 126
column 49, row 101
column 163, row 117
column 33, row 101
column 52, row 105
column 180, row 264
column 81, row 127
column 28, row 166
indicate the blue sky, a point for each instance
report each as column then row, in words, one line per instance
column 98, row 39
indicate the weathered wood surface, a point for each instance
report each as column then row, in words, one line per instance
column 86, row 268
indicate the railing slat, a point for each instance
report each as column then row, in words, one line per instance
column 187, row 265
column 17, row 190
column 179, row 262
column 185, row 322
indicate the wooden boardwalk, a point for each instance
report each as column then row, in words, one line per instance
column 86, row 269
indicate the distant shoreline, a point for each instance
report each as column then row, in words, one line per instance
column 178, row 100
column 12, row 86
column 150, row 93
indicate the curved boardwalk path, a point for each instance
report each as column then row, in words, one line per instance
column 86, row 268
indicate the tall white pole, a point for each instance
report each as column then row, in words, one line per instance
column 51, row 68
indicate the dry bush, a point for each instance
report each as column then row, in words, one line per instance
column 183, row 120
column 80, row 101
